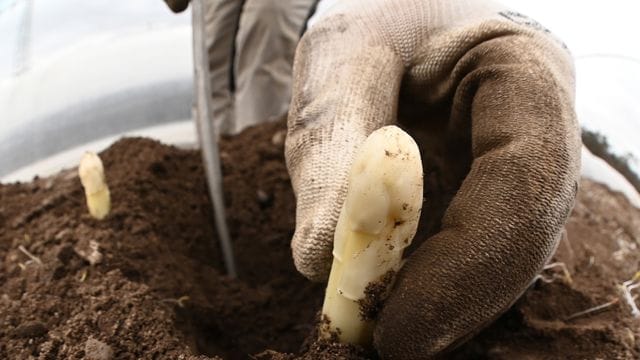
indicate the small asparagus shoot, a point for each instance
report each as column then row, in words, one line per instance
column 91, row 174
column 377, row 222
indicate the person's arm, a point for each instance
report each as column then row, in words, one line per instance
column 508, row 88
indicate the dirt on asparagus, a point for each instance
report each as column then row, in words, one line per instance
column 149, row 282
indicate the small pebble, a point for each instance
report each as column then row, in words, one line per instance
column 264, row 199
column 97, row 350
column 89, row 250
column 279, row 137
column 31, row 329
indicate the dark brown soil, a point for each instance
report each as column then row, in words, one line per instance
column 374, row 295
column 157, row 289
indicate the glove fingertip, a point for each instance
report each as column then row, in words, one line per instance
column 312, row 252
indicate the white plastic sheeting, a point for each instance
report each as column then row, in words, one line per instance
column 73, row 71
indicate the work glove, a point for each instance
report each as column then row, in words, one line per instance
column 489, row 90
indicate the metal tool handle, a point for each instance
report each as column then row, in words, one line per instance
column 207, row 134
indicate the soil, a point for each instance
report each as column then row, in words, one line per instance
column 374, row 295
column 148, row 281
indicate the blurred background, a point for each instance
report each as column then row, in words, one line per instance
column 75, row 71
column 75, row 75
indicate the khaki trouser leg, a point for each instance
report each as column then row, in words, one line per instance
column 221, row 19
column 267, row 37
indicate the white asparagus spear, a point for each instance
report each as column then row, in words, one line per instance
column 377, row 222
column 91, row 174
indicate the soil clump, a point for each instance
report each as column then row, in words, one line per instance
column 148, row 281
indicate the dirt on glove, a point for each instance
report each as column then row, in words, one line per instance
column 148, row 281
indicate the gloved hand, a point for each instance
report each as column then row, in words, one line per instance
column 177, row 5
column 466, row 78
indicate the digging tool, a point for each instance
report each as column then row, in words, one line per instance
column 206, row 133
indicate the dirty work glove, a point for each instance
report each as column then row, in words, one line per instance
column 480, row 77
column 177, row 5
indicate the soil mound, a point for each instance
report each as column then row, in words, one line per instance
column 148, row 281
